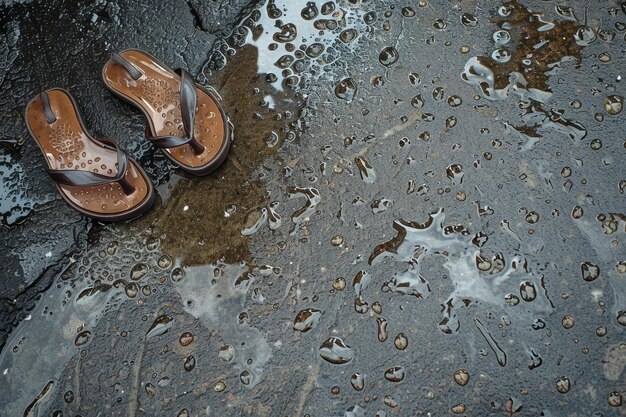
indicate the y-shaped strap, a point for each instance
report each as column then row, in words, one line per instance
column 86, row 178
column 188, row 100
column 47, row 110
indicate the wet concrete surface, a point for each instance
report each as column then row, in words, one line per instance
column 408, row 223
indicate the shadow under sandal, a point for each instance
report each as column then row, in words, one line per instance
column 184, row 119
column 95, row 177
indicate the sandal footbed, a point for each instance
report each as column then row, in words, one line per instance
column 66, row 144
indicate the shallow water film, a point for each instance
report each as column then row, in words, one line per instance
column 423, row 214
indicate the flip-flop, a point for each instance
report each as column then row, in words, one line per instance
column 184, row 119
column 95, row 177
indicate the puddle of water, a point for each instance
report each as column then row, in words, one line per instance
column 295, row 44
column 201, row 210
column 216, row 295
column 531, row 50
column 42, row 346
column 475, row 279
column 96, row 286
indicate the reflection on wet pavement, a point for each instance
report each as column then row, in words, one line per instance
column 422, row 214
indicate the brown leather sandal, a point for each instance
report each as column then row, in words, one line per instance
column 184, row 119
column 95, row 177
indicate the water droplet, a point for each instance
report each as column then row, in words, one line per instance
column 189, row 363
column 346, row 89
column 68, row 397
column 33, row 408
column 380, row 206
column 589, row 271
column 440, row 24
column 408, row 11
column 245, row 377
column 469, row 20
column 82, row 338
column 389, row 402
column 395, row 374
column 500, row 354
column 186, row 339
column 605, row 57
column 328, row 7
column 314, row 50
column 606, row 35
column 348, row 35
column 358, row 381
column 306, row 319
column 335, row 351
column 288, row 33
column 112, row 248
column 455, row 173
column 438, row 93
column 615, row 399
column 401, row 341
column 369, row 18
column 219, row 386
column 585, row 36
column 310, row 12
column 388, row 56
column 417, row 101
column 153, row 244
column 501, row 37
column 613, row 104
column 131, row 290
column 568, row 322
column 527, row 291
column 454, row 101
column 461, row 377
column 382, row 329
column 254, row 220
column 138, row 271
column 596, row 144
column 177, row 274
column 501, row 55
column 339, row 283
column 563, row 385
column 164, row 262
column 150, row 390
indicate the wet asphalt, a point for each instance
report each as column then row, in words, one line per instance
column 422, row 214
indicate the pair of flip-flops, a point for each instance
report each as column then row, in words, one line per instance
column 95, row 176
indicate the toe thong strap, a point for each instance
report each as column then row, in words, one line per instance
column 47, row 110
column 132, row 70
column 80, row 178
column 188, row 100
